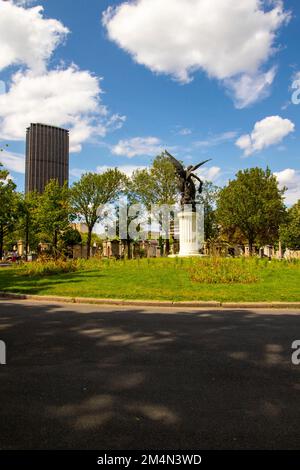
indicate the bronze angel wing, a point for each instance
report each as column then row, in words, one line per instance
column 200, row 164
column 178, row 166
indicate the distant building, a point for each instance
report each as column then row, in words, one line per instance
column 47, row 156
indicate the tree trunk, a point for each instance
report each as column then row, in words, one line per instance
column 250, row 243
column 89, row 242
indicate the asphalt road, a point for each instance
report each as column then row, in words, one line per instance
column 90, row 377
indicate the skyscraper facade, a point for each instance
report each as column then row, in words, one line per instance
column 47, row 156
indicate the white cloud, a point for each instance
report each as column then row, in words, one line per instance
column 2, row 87
column 149, row 146
column 65, row 97
column 209, row 174
column 13, row 161
column 229, row 40
column 68, row 98
column 24, row 2
column 268, row 131
column 127, row 169
column 185, row 131
column 77, row 172
column 26, row 37
column 290, row 178
column 247, row 89
column 215, row 140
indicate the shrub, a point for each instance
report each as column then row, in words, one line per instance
column 45, row 268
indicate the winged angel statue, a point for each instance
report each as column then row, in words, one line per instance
column 186, row 184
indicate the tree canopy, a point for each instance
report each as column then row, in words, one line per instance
column 290, row 232
column 249, row 209
column 253, row 206
column 8, row 206
column 156, row 186
column 208, row 199
column 90, row 193
column 53, row 213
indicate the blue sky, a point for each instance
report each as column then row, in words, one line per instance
column 190, row 89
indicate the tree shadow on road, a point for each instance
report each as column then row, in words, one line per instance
column 87, row 377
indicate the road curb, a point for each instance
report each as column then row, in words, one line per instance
column 151, row 303
column 258, row 305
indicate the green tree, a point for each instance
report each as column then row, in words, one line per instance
column 92, row 191
column 252, row 204
column 156, row 185
column 28, row 228
column 290, row 232
column 128, row 198
column 53, row 214
column 208, row 198
column 68, row 239
column 8, row 206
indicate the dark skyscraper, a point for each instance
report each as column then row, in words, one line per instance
column 47, row 156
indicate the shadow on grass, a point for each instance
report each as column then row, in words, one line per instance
column 18, row 282
column 91, row 378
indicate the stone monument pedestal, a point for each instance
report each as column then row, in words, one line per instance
column 189, row 234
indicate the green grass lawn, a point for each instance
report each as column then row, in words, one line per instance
column 157, row 279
